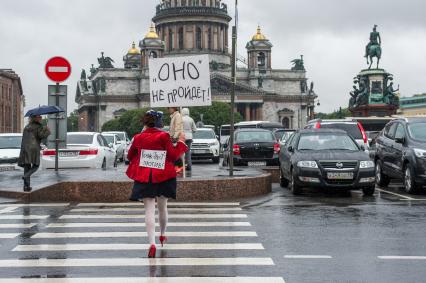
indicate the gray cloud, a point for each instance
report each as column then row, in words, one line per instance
column 331, row 34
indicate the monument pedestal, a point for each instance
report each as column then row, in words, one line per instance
column 373, row 96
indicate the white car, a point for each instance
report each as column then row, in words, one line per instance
column 84, row 150
column 124, row 139
column 115, row 142
column 205, row 145
column 10, row 147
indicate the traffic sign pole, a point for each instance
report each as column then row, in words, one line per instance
column 58, row 69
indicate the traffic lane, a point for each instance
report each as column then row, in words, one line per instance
column 343, row 235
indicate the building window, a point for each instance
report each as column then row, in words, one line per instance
column 152, row 54
column 170, row 40
column 198, row 38
column 286, row 123
column 209, row 39
column 183, row 3
column 180, row 38
column 261, row 60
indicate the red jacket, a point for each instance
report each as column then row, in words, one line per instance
column 153, row 139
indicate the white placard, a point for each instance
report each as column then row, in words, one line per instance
column 153, row 159
column 180, row 81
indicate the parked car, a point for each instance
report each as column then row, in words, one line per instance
column 401, row 153
column 327, row 158
column 286, row 134
column 124, row 139
column 205, row 145
column 126, row 153
column 253, row 147
column 116, row 143
column 84, row 150
column 353, row 128
column 10, row 147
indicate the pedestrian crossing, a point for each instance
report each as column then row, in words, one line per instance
column 209, row 242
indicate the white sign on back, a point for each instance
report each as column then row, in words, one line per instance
column 180, row 81
column 153, row 159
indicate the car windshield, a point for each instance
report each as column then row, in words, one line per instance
column 10, row 142
column 255, row 136
column 224, row 131
column 79, row 139
column 279, row 134
column 204, row 135
column 286, row 136
column 417, row 131
column 351, row 128
column 326, row 141
column 109, row 138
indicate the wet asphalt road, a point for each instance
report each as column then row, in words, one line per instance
column 316, row 237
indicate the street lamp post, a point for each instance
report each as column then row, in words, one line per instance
column 234, row 81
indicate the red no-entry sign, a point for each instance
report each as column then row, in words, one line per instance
column 58, row 69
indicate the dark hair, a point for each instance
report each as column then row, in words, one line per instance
column 149, row 120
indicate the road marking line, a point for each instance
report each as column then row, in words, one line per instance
column 99, row 262
column 35, row 204
column 403, row 257
column 141, row 216
column 148, row 280
column 308, row 256
column 8, row 226
column 169, row 204
column 8, row 209
column 114, row 247
column 22, row 217
column 136, row 224
column 8, row 235
column 395, row 194
column 415, row 199
column 175, row 209
column 143, row 234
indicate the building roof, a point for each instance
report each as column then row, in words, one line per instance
column 152, row 34
column 134, row 50
column 259, row 35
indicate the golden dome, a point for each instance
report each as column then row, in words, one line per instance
column 152, row 34
column 133, row 50
column 259, row 35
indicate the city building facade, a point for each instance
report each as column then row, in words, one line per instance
column 11, row 102
column 413, row 106
column 182, row 28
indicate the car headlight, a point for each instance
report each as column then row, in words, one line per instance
column 366, row 164
column 214, row 143
column 420, row 152
column 307, row 164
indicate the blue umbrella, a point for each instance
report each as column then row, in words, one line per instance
column 43, row 110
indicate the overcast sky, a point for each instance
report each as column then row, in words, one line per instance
column 331, row 34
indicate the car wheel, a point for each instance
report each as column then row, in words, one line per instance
column 104, row 164
column 216, row 160
column 381, row 179
column 294, row 188
column 369, row 191
column 410, row 185
column 283, row 181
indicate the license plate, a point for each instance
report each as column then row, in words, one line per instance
column 200, row 151
column 256, row 163
column 7, row 168
column 340, row 176
column 68, row 153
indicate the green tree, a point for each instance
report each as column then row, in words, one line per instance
column 337, row 114
column 72, row 121
column 218, row 114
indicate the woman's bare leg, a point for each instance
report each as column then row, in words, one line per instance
column 162, row 214
column 149, row 204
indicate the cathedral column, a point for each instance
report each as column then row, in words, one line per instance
column 175, row 37
column 194, row 38
column 247, row 116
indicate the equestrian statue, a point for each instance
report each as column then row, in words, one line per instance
column 373, row 48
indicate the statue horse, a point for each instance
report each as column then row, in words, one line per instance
column 374, row 51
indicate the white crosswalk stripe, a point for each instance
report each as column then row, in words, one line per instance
column 137, row 224
column 141, row 216
column 8, row 235
column 95, row 232
column 149, row 280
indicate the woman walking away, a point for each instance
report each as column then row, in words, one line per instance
column 152, row 156
column 29, row 157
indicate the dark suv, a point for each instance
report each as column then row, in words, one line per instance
column 401, row 153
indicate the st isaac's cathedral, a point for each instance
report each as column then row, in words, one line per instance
column 189, row 27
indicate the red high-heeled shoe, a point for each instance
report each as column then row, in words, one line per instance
column 151, row 252
column 163, row 240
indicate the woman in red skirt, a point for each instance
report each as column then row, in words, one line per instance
column 154, row 180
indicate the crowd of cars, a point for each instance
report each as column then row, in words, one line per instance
column 346, row 154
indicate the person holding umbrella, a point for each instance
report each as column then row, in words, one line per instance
column 29, row 157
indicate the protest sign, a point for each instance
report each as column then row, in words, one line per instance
column 153, row 159
column 180, row 81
